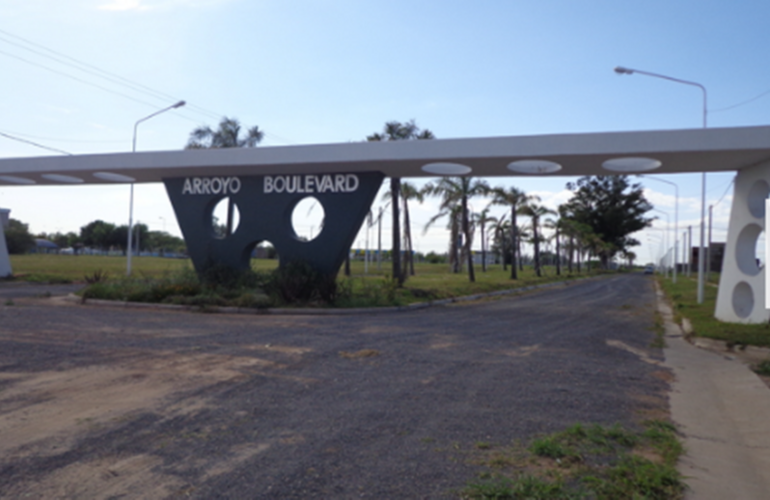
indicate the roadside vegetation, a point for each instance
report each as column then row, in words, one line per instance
column 583, row 462
column 173, row 281
column 683, row 297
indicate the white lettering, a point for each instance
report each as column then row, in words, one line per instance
column 212, row 185
column 351, row 183
column 283, row 184
column 216, row 185
column 326, row 184
column 301, row 184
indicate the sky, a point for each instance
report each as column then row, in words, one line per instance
column 78, row 74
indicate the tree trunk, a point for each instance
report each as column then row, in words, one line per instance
column 536, row 240
column 483, row 250
column 395, row 190
column 514, row 239
column 347, row 264
column 467, row 231
column 408, row 237
column 558, row 254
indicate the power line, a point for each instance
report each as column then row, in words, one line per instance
column 115, row 141
column 96, row 71
column 719, row 110
column 34, row 144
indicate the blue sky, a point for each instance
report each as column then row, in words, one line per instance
column 322, row 71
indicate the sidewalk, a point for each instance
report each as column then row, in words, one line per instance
column 723, row 411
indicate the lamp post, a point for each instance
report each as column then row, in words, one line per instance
column 668, row 228
column 676, row 219
column 628, row 71
column 131, row 195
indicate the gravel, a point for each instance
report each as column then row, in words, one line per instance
column 293, row 418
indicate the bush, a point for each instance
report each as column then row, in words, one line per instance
column 297, row 282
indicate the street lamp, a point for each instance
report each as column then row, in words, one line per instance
column 676, row 219
column 131, row 196
column 628, row 71
column 668, row 228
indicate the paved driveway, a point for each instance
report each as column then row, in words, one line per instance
column 111, row 403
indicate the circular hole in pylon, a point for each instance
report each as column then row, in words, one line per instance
column 307, row 218
column 743, row 300
column 220, row 215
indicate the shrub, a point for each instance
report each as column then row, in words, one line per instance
column 297, row 282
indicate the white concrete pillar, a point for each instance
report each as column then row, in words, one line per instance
column 5, row 261
column 741, row 297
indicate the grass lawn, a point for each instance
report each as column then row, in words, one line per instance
column 431, row 281
column 684, row 300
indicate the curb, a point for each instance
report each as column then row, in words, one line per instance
column 307, row 311
column 751, row 353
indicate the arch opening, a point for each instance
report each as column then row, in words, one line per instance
column 225, row 209
column 307, row 219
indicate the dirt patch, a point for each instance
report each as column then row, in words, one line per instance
column 47, row 412
column 132, row 477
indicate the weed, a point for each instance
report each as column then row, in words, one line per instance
column 528, row 487
column 659, row 342
column 483, row 445
column 550, row 447
column 763, row 368
column 98, row 276
column 598, row 462
column 9, row 302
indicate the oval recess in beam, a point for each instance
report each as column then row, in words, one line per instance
column 534, row 166
column 16, row 180
column 631, row 164
column 113, row 177
column 443, row 168
column 66, row 179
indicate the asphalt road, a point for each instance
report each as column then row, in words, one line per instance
column 112, row 403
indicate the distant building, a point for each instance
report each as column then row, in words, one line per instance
column 45, row 246
column 715, row 255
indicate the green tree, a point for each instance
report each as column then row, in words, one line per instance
column 18, row 239
column 515, row 199
column 483, row 220
column 454, row 192
column 228, row 135
column 613, row 208
column 536, row 212
column 397, row 131
column 98, row 234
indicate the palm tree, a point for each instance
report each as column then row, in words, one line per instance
column 516, row 199
column 482, row 219
column 456, row 191
column 228, row 135
column 408, row 192
column 536, row 212
column 397, row 131
column 556, row 225
column 501, row 228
